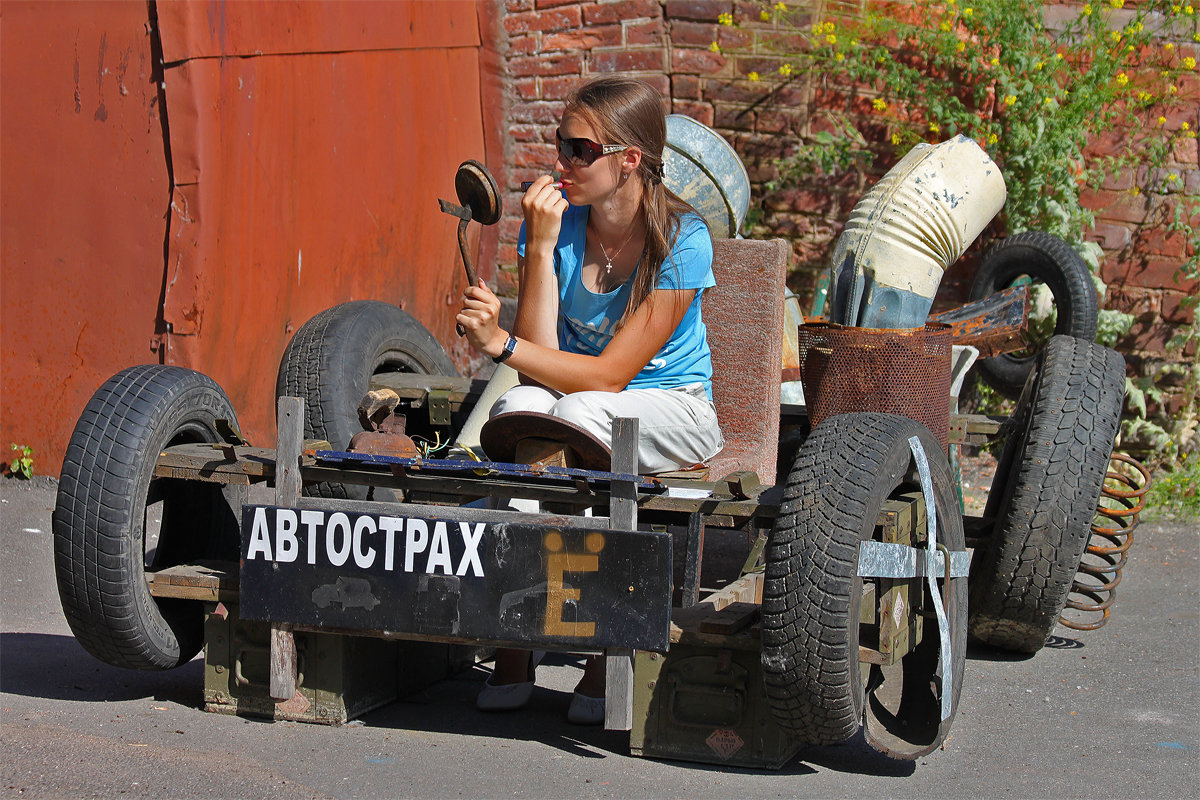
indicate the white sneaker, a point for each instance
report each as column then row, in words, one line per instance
column 509, row 696
column 585, row 710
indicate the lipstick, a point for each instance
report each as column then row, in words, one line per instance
column 526, row 184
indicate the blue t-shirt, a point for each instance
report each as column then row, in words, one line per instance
column 586, row 319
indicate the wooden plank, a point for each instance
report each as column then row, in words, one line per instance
column 290, row 427
column 695, row 550
column 414, row 388
column 211, row 581
column 731, row 619
column 622, row 512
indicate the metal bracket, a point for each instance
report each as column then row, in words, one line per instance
column 439, row 406
column 893, row 560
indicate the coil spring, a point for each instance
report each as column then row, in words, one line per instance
column 1122, row 498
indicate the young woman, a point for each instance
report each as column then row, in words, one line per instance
column 612, row 269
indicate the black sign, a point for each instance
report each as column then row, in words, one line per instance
column 499, row 582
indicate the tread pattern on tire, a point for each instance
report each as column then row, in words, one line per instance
column 1055, row 462
column 98, row 564
column 319, row 366
column 1049, row 259
column 810, row 664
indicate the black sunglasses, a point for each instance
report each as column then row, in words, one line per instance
column 584, row 152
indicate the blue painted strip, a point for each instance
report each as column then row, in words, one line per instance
column 1173, row 745
column 562, row 474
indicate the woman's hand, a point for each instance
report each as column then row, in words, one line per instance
column 480, row 317
column 543, row 206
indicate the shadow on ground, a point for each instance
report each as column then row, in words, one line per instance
column 55, row 667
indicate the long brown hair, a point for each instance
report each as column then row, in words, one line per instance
column 630, row 112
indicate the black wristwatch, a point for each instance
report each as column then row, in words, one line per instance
column 509, row 346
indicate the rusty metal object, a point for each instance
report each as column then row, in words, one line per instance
column 1122, row 498
column 502, row 435
column 891, row 371
column 375, row 407
column 387, row 439
column 993, row 325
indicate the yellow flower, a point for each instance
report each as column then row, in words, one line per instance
column 1162, row 120
column 1116, row 3
column 1122, row 78
column 716, row 48
column 879, row 105
column 1169, row 47
column 781, row 6
column 1058, row 56
column 1175, row 9
column 1172, row 178
column 1135, row 191
column 951, row 2
column 854, row 42
column 1196, row 37
column 1172, row 89
column 1048, row 101
column 1086, row 10
column 1038, row 66
column 968, row 11
column 895, row 138
column 1185, row 126
column 993, row 138
column 831, row 39
column 1189, row 10
column 785, row 70
column 933, row 127
column 1143, row 96
column 1189, row 63
column 828, row 27
column 840, row 57
column 945, row 26
column 725, row 18
column 753, row 76
column 995, row 62
column 1010, row 99
column 1114, row 35
column 764, row 15
column 1136, row 27
column 1129, row 48
column 961, row 46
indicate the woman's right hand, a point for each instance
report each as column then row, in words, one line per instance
column 543, row 206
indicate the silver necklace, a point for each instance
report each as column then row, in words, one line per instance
column 608, row 260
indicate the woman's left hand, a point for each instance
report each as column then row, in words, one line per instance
column 480, row 317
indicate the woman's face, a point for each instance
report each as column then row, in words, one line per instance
column 587, row 185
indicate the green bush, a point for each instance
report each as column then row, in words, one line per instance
column 1037, row 93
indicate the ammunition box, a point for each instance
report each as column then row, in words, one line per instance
column 338, row 677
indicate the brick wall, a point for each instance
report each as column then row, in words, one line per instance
column 555, row 44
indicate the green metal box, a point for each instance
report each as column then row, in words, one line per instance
column 339, row 677
column 704, row 701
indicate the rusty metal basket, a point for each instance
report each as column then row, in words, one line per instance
column 893, row 371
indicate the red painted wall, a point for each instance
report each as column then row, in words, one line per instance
column 297, row 164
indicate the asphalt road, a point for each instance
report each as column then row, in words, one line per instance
column 1114, row 713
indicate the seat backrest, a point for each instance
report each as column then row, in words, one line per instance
column 744, row 314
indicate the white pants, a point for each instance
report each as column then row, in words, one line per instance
column 677, row 428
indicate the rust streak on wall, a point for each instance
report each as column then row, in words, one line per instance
column 307, row 179
column 82, row 205
column 304, row 147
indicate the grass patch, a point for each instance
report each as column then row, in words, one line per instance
column 1175, row 492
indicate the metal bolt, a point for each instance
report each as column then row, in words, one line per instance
column 650, row 685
